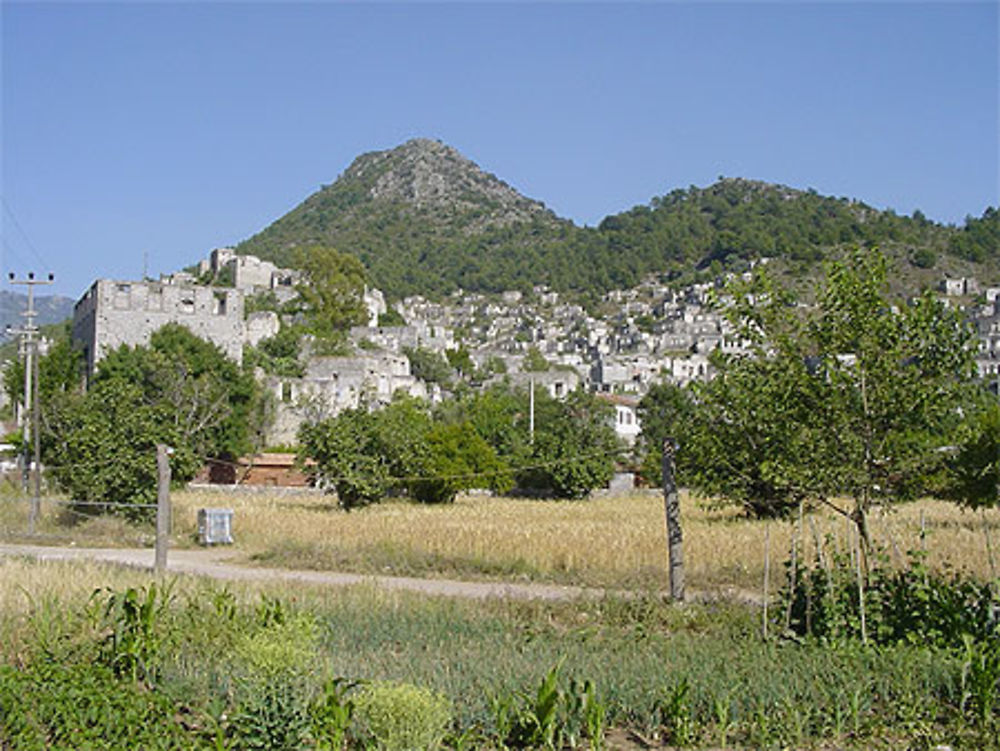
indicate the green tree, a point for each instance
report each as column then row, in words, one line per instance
column 366, row 454
column 330, row 294
column 428, row 365
column 534, row 361
column 973, row 477
column 101, row 448
column 852, row 397
column 457, row 459
column 664, row 413
column 181, row 391
column 574, row 448
column 499, row 414
column 59, row 370
column 348, row 458
column 213, row 403
column 461, row 361
column 279, row 354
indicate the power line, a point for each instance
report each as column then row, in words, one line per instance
column 13, row 252
column 27, row 240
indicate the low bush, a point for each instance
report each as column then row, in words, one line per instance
column 401, row 717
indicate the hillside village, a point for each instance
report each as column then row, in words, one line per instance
column 648, row 334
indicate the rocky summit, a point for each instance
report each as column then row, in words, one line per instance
column 430, row 175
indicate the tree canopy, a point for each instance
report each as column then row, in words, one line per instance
column 331, row 293
column 854, row 396
column 180, row 390
column 480, row 440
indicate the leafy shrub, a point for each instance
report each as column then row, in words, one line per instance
column 401, row 717
column 911, row 605
column 271, row 680
column 72, row 703
column 272, row 715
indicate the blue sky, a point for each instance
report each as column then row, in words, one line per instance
column 164, row 130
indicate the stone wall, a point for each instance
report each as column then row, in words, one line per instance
column 113, row 313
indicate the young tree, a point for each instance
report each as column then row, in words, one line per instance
column 348, row 457
column 212, row 402
column 457, row 459
column 428, row 365
column 973, row 478
column 101, row 448
column 364, row 455
column 852, row 397
column 575, row 447
column 664, row 413
column 59, row 370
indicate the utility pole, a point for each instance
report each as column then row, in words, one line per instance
column 531, row 409
column 30, row 432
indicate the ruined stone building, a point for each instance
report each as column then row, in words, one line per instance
column 333, row 384
column 113, row 313
column 249, row 273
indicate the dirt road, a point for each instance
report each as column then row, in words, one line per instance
column 218, row 563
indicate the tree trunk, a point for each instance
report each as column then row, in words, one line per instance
column 672, row 507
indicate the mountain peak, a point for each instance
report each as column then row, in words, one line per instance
column 432, row 176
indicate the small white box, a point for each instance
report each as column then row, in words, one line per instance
column 215, row 526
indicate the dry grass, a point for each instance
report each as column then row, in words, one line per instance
column 607, row 541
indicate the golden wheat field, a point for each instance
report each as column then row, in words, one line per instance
column 604, row 541
column 608, row 541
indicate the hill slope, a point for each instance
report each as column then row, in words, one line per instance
column 51, row 309
column 422, row 218
column 426, row 220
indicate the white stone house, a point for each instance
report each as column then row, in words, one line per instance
column 626, row 420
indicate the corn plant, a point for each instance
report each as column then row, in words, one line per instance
column 331, row 714
column 675, row 714
column 132, row 618
column 981, row 681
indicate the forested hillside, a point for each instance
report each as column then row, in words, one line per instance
column 426, row 220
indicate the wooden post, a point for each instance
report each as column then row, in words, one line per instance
column 672, row 507
column 162, row 506
column 767, row 575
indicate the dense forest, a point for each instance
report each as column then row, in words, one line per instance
column 424, row 220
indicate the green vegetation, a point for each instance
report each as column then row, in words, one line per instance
column 330, row 295
column 180, row 391
column 480, row 440
column 398, row 717
column 241, row 672
column 855, row 396
column 364, row 455
column 979, row 239
column 479, row 242
column 429, row 366
column 279, row 355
